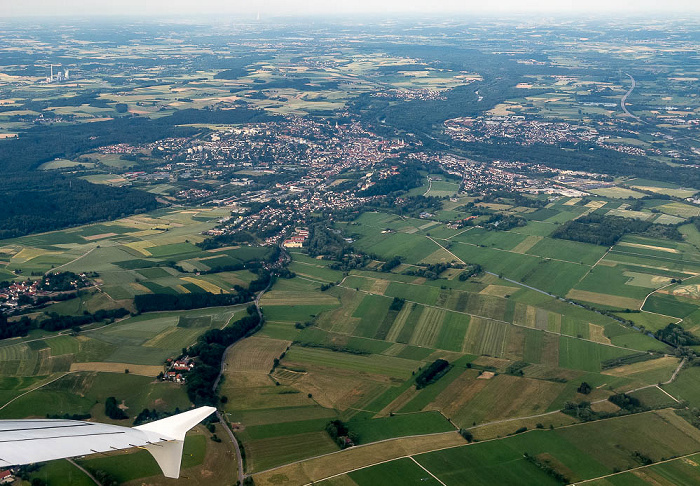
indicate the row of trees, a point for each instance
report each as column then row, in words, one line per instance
column 209, row 351
column 161, row 302
column 432, row 373
column 676, row 336
column 55, row 322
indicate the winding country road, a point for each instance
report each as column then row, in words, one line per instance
column 222, row 419
column 624, row 100
column 284, row 256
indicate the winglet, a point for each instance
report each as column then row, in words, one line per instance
column 168, row 455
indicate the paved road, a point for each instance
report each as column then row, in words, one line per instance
column 239, row 457
column 236, row 447
column 94, row 479
column 430, row 186
column 624, row 100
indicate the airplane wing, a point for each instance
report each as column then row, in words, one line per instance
column 29, row 441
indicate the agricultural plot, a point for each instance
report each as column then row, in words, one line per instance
column 401, row 471
column 502, row 397
column 85, row 392
column 317, row 469
column 669, row 305
column 686, row 386
column 572, row 251
column 414, row 247
column 135, row 255
column 128, row 467
column 151, row 338
column 579, row 452
column 376, row 364
column 267, row 453
column 553, row 276
column 586, row 355
column 375, row 429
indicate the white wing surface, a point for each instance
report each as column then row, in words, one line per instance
column 29, row 441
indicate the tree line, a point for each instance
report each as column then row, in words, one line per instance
column 55, row 322
column 209, row 351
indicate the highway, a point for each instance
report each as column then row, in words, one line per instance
column 624, row 100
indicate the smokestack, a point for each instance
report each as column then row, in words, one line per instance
column 52, row 72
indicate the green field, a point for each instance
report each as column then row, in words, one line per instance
column 372, row 430
column 129, row 466
column 402, row 471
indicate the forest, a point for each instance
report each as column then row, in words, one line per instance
column 38, row 202
column 160, row 302
column 607, row 230
column 208, row 350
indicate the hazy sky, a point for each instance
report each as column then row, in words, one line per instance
column 305, row 7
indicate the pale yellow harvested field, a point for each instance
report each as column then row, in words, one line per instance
column 595, row 204
column 141, row 246
column 247, row 380
column 531, row 316
column 204, row 259
column 140, row 288
column 649, row 247
column 99, row 237
column 604, row 406
column 690, row 291
column 597, row 334
column 526, row 244
column 379, row 286
column 223, row 248
column 255, row 354
column 573, row 201
column 394, row 349
column 355, row 457
column 610, row 261
column 682, row 193
column 208, row 286
column 340, row 389
column 666, row 362
column 503, row 109
column 28, row 253
column 498, row 290
column 102, row 367
column 604, row 299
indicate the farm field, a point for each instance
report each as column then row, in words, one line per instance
column 575, row 451
column 388, row 253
